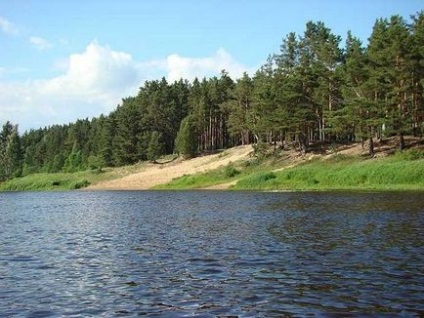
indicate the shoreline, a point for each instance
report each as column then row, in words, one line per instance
column 343, row 169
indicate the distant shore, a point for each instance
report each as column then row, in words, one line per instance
column 343, row 168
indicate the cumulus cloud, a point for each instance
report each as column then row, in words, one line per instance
column 97, row 73
column 189, row 68
column 40, row 43
column 8, row 27
column 95, row 81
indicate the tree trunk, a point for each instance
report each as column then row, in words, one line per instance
column 401, row 142
column 302, row 142
column 371, row 144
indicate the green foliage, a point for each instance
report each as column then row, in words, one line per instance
column 391, row 173
column 257, row 181
column 156, row 147
column 186, row 141
column 230, row 171
column 10, row 152
column 410, row 154
column 96, row 163
column 74, row 162
column 261, row 151
column 39, row 182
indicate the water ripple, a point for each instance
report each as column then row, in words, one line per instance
column 211, row 254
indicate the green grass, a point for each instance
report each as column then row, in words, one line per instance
column 402, row 171
column 66, row 181
column 46, row 181
column 203, row 180
column 344, row 173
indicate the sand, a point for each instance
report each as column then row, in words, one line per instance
column 155, row 174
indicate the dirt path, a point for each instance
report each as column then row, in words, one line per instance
column 156, row 174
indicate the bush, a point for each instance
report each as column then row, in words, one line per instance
column 79, row 184
column 230, row 171
column 410, row 154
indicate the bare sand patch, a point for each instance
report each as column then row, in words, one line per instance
column 155, row 174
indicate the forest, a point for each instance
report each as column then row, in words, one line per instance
column 315, row 90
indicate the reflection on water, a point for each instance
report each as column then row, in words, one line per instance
column 211, row 254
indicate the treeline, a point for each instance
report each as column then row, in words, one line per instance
column 314, row 90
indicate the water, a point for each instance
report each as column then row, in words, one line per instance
column 211, row 254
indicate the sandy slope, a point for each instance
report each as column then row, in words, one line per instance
column 156, row 174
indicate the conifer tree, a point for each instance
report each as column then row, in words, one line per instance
column 239, row 109
column 10, row 152
column 186, row 141
column 156, row 147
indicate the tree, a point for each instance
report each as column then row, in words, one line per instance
column 262, row 115
column 186, row 141
column 398, row 104
column 352, row 116
column 388, row 51
column 127, row 133
column 156, row 147
column 416, row 69
column 10, row 152
column 239, row 109
column 321, row 49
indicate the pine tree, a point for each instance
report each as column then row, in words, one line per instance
column 10, row 152
column 293, row 114
column 262, row 115
column 186, row 141
column 156, row 147
column 351, row 117
column 321, row 49
column 239, row 109
column 126, row 138
column 416, row 70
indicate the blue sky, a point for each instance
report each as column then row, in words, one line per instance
column 63, row 60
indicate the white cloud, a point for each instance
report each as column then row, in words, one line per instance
column 98, row 72
column 40, row 43
column 8, row 27
column 189, row 68
column 95, row 81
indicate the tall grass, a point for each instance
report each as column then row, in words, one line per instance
column 391, row 173
column 67, row 181
column 45, row 181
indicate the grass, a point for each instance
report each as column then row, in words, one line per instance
column 66, row 181
column 401, row 171
column 397, row 172
column 203, row 180
column 225, row 174
column 45, row 181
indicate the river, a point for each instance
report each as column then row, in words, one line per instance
column 211, row 254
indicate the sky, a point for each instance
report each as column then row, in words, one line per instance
column 73, row 59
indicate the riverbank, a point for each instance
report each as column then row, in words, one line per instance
column 335, row 168
column 402, row 171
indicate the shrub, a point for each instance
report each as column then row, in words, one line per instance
column 230, row 171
